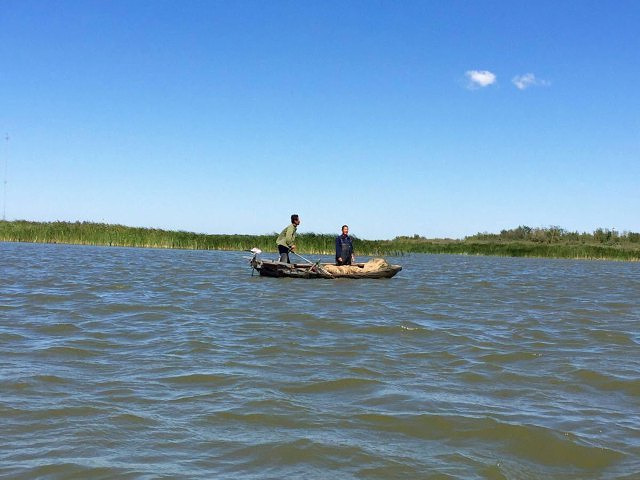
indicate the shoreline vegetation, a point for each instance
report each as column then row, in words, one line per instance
column 523, row 241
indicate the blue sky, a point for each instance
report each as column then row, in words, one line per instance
column 437, row 118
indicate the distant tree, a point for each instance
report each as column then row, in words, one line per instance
column 633, row 237
column 554, row 234
column 538, row 235
column 602, row 235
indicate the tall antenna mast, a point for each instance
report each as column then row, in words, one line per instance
column 6, row 166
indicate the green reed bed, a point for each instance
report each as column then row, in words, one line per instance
column 87, row 233
column 527, row 249
column 550, row 243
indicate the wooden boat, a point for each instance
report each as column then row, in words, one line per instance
column 374, row 268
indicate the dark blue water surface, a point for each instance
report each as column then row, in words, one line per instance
column 137, row 363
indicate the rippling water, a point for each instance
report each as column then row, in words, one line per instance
column 134, row 363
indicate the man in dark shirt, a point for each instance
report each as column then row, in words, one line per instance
column 344, row 248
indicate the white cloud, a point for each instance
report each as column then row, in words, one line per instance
column 480, row 78
column 528, row 80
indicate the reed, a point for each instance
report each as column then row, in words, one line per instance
column 529, row 249
column 602, row 244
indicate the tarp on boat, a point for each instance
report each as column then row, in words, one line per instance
column 373, row 265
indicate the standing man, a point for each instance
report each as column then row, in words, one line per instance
column 286, row 239
column 344, row 248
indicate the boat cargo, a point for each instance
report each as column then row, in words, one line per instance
column 374, row 268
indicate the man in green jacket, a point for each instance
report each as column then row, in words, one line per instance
column 287, row 238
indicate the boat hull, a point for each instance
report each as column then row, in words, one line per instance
column 268, row 268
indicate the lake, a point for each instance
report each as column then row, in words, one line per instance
column 142, row 364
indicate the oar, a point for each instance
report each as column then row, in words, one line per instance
column 317, row 264
column 295, row 253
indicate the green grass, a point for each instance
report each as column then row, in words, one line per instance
column 551, row 242
column 529, row 249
